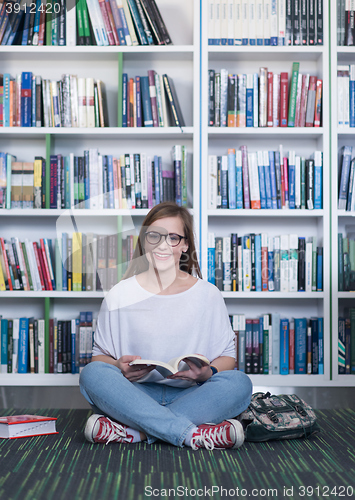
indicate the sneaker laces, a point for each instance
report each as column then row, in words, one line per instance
column 209, row 436
column 110, row 431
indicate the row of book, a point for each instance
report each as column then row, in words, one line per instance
column 345, row 23
column 30, row 101
column 346, row 342
column 88, row 22
column 265, row 180
column 265, row 22
column 346, row 200
column 263, row 263
column 266, row 99
column 94, row 181
column 346, row 260
column 346, row 95
column 279, row 346
column 25, row 348
column 150, row 101
column 77, row 262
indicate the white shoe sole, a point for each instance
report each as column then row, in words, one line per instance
column 89, row 427
column 239, row 433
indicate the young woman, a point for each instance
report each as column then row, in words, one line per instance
column 160, row 310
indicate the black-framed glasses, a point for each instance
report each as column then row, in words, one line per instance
column 172, row 239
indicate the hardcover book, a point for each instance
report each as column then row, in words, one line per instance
column 16, row 426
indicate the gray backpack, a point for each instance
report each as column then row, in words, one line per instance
column 278, row 417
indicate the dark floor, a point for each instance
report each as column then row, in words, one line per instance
column 66, row 467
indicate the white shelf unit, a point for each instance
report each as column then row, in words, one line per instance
column 181, row 61
column 340, row 220
column 215, row 140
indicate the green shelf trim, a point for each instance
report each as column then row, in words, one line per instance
column 119, row 90
column 48, row 168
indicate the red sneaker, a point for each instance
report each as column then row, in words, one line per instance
column 227, row 434
column 100, row 429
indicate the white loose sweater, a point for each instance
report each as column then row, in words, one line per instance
column 161, row 327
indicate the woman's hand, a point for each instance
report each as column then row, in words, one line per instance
column 135, row 372
column 194, row 374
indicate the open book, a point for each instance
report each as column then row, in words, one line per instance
column 173, row 365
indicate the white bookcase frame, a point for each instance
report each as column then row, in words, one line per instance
column 215, row 140
column 182, row 62
column 340, row 136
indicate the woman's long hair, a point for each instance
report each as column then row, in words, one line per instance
column 188, row 260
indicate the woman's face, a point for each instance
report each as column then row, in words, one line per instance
column 162, row 255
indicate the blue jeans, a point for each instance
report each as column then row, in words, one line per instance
column 161, row 411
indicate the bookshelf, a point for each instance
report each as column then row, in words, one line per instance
column 222, row 222
column 340, row 219
column 181, row 62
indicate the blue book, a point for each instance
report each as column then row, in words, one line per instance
column 156, row 180
column 211, row 259
column 6, row 100
column 270, row 255
column 319, row 269
column 224, row 182
column 273, row 180
column 146, row 103
column 267, row 179
column 344, row 177
column 318, row 180
column 53, row 181
column 284, row 346
column 124, row 99
column 248, row 345
column 8, row 30
column 26, row 97
column 118, row 22
column 138, row 102
column 278, row 167
column 15, row 27
column 232, row 195
column 258, row 262
column 250, row 101
column 125, row 26
column 262, row 186
column 33, row 99
column 315, row 350
column 4, row 327
column 275, row 321
column 64, row 261
column 137, row 179
column 26, row 27
column 239, row 179
column 300, row 346
column 111, row 189
column 292, row 179
column 73, row 345
column 87, row 179
column 352, row 97
column 67, row 181
column 37, row 21
column 320, row 347
column 256, row 99
column 137, row 22
column 23, row 346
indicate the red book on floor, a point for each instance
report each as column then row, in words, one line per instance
column 16, row 426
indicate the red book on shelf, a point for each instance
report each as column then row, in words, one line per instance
column 39, row 266
column 107, row 23
column 42, row 22
column 153, row 97
column 45, row 269
column 6, row 263
column 283, row 99
column 318, row 104
column 17, row 426
column 112, row 23
column 264, row 263
column 270, row 86
column 304, row 95
column 130, row 118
